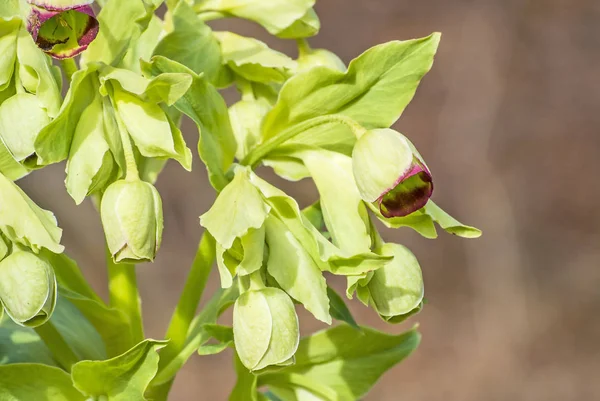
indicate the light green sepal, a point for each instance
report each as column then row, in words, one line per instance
column 24, row 222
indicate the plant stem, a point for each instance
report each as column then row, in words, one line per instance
column 123, row 293
column 186, row 308
column 190, row 297
column 131, row 173
column 69, row 67
column 62, row 353
column 254, row 157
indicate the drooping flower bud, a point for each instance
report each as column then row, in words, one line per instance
column 265, row 328
column 27, row 288
column 132, row 218
column 62, row 28
column 389, row 171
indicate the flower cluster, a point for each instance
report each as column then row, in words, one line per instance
column 309, row 117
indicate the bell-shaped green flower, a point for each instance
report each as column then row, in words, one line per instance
column 27, row 288
column 397, row 288
column 389, row 171
column 62, row 28
column 265, row 328
column 132, row 218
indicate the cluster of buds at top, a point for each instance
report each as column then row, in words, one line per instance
column 62, row 28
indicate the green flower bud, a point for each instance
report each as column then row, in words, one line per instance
column 62, row 28
column 389, row 171
column 396, row 289
column 132, row 218
column 319, row 57
column 27, row 288
column 265, row 328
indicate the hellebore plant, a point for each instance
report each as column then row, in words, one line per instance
column 136, row 77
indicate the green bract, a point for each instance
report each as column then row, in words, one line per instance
column 132, row 217
column 139, row 73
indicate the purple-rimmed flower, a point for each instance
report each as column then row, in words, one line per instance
column 390, row 172
column 62, row 28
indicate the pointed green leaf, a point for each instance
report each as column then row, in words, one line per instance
column 338, row 309
column 9, row 29
column 30, row 381
column 122, row 378
column 340, row 363
column 374, row 91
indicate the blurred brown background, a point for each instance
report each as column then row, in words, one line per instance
column 508, row 120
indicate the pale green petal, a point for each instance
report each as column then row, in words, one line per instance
column 252, row 327
column 295, row 271
column 238, row 208
column 150, row 128
column 344, row 212
column 43, row 82
column 21, row 119
column 246, row 117
column 274, row 15
column 191, row 43
column 88, row 151
column 9, row 30
column 254, row 60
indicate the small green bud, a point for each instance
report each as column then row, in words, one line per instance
column 265, row 328
column 4, row 247
column 389, row 171
column 27, row 288
column 132, row 218
column 319, row 57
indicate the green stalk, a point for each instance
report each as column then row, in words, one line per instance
column 258, row 153
column 123, row 294
column 69, row 67
column 186, row 309
column 62, row 353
